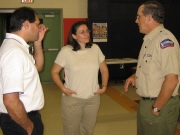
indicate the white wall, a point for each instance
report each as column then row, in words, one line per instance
column 71, row 8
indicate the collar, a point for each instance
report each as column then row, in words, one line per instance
column 154, row 32
column 19, row 39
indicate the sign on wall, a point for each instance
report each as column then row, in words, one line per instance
column 99, row 32
column 27, row 1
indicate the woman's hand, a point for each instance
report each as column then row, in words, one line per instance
column 68, row 92
column 100, row 91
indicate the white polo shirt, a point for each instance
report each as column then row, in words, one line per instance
column 19, row 74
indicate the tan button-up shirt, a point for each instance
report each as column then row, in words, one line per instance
column 157, row 60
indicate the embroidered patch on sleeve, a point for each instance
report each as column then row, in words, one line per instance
column 166, row 43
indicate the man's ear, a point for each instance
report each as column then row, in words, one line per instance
column 150, row 18
column 26, row 24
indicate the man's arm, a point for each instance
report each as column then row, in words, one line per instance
column 17, row 111
column 38, row 50
column 38, row 55
column 167, row 89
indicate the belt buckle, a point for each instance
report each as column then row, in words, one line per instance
column 153, row 98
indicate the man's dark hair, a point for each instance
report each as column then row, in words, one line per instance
column 155, row 9
column 19, row 16
column 72, row 41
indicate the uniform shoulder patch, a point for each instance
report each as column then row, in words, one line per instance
column 166, row 43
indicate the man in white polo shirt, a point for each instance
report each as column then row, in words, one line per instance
column 21, row 94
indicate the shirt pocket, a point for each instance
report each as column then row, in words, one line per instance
column 146, row 65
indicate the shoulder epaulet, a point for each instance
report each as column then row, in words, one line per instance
column 163, row 33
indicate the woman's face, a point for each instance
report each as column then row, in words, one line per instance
column 82, row 35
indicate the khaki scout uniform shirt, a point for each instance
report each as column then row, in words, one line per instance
column 156, row 62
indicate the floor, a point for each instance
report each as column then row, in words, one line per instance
column 117, row 113
column 113, row 119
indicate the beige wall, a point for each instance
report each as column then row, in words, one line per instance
column 71, row 8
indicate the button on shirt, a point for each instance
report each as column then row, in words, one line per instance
column 154, row 62
column 19, row 74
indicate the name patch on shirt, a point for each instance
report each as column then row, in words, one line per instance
column 166, row 43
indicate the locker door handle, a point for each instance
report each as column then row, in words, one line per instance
column 51, row 49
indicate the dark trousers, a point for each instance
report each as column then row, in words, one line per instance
column 10, row 127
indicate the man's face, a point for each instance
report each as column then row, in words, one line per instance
column 34, row 30
column 142, row 21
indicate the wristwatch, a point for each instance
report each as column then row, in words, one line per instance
column 155, row 109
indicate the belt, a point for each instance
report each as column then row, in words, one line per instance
column 33, row 112
column 151, row 98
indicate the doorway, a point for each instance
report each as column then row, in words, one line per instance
column 52, row 42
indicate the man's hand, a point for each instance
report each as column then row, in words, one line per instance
column 42, row 31
column 130, row 80
column 28, row 126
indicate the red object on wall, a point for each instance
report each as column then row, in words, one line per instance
column 67, row 25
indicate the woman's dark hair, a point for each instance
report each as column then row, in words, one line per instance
column 19, row 16
column 155, row 9
column 72, row 41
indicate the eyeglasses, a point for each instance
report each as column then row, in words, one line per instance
column 138, row 16
column 83, row 32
